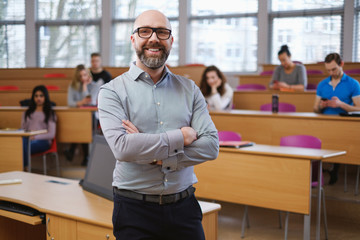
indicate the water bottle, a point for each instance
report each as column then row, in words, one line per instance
column 275, row 103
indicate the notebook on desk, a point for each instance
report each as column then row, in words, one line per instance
column 235, row 144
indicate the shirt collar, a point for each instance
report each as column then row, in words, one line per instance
column 137, row 73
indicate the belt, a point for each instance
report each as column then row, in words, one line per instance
column 160, row 199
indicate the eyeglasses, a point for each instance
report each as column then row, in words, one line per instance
column 147, row 32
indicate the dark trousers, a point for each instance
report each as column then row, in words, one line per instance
column 137, row 219
column 36, row 146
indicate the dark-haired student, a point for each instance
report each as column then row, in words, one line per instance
column 338, row 93
column 83, row 91
column 38, row 116
column 288, row 75
column 217, row 92
column 100, row 75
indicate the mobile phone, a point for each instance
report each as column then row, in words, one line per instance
column 324, row 99
column 88, row 96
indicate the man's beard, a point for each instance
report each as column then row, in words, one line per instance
column 153, row 62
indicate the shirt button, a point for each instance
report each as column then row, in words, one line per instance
column 161, row 123
column 165, row 180
column 168, row 168
column 146, row 75
column 154, row 161
column 154, row 86
column 175, row 150
column 158, row 103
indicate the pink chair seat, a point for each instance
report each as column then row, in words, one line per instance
column 55, row 75
column 266, row 73
column 283, row 107
column 251, row 87
column 229, row 136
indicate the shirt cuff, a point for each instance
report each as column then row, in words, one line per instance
column 176, row 142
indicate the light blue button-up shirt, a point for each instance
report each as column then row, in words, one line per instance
column 158, row 111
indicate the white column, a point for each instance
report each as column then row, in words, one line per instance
column 31, row 38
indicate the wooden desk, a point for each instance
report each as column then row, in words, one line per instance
column 74, row 125
column 13, row 98
column 252, row 100
column 71, row 213
column 11, row 149
column 264, row 176
column 335, row 132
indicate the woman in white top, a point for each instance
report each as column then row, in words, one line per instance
column 217, row 92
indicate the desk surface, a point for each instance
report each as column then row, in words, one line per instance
column 65, row 198
column 335, row 132
column 74, row 125
column 262, row 175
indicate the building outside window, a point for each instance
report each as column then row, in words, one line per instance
column 12, row 34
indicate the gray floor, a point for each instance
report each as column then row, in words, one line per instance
column 343, row 208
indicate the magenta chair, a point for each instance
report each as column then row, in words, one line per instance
column 306, row 141
column 251, row 87
column 353, row 71
column 283, row 107
column 311, row 86
column 266, row 73
column 229, row 136
column 314, row 72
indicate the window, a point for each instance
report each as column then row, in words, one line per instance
column 68, row 32
column 282, row 5
column 12, row 34
column 306, row 44
column 125, row 13
column 228, row 40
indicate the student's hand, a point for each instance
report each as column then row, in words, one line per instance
column 323, row 104
column 275, row 85
column 283, row 85
column 189, row 134
column 334, row 102
column 86, row 101
column 129, row 126
column 215, row 86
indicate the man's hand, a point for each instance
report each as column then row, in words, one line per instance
column 130, row 128
column 334, row 102
column 190, row 135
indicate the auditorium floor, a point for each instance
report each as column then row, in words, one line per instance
column 343, row 209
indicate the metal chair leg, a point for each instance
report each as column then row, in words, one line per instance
column 286, row 225
column 245, row 219
column 357, row 181
column 280, row 220
column 345, row 178
column 325, row 218
column 44, row 163
column 57, row 164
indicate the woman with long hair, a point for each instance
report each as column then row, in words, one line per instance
column 83, row 91
column 217, row 92
column 38, row 116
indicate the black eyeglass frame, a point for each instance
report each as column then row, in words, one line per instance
column 154, row 30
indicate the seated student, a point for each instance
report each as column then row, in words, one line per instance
column 83, row 91
column 288, row 75
column 336, row 94
column 100, row 75
column 38, row 116
column 217, row 92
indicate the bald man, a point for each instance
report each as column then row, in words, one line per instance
column 158, row 127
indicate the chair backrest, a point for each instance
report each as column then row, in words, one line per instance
column 9, row 88
column 352, row 71
column 314, row 72
column 265, row 73
column 229, row 136
column 251, row 87
column 283, row 107
column 55, row 75
column 305, row 141
column 311, row 86
column 52, row 87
